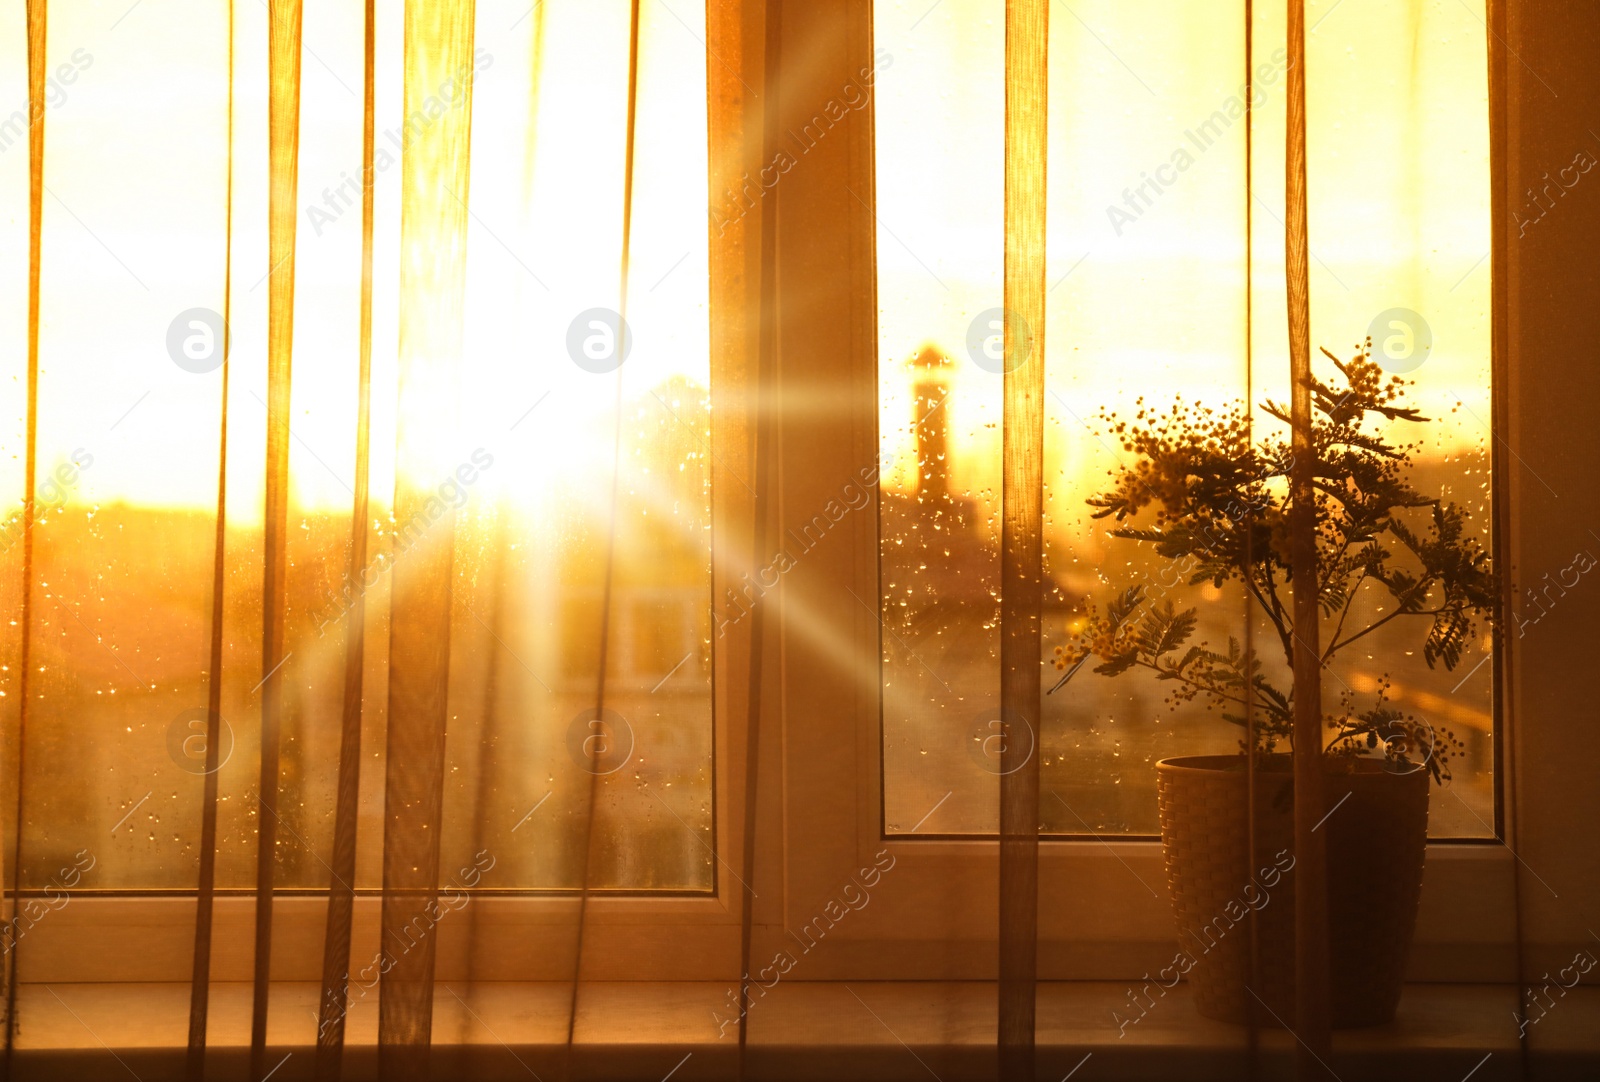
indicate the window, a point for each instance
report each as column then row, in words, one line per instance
column 873, row 247
column 888, row 254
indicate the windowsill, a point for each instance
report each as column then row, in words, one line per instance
column 801, row 1030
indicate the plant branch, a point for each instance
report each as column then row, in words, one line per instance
column 1210, row 689
column 1401, row 611
column 1349, row 603
column 1274, row 613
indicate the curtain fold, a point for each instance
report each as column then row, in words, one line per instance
column 433, row 241
column 608, row 576
column 283, row 54
column 1022, row 511
column 1252, row 791
column 205, row 897
column 334, row 998
column 37, row 16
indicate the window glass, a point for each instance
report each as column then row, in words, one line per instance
column 129, row 409
column 1147, row 280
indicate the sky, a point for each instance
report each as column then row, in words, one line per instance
column 135, row 235
column 1150, row 302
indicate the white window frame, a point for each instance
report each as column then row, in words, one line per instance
column 1103, row 911
column 523, row 936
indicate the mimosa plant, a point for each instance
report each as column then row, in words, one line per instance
column 1215, row 500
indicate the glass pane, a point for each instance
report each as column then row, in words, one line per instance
column 127, row 446
column 541, row 384
column 1402, row 256
column 123, row 561
column 1147, row 310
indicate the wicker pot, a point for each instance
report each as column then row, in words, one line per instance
column 1376, row 841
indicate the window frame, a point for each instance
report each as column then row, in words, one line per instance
column 1103, row 909
column 139, row 935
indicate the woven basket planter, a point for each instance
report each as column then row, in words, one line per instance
column 1376, row 841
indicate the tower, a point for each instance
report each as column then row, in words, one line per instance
column 930, row 389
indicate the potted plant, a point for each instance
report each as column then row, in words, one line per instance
column 1203, row 492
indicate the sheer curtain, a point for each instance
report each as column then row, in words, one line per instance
column 357, row 675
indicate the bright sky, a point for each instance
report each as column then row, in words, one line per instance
column 1153, row 303
column 134, row 234
column 134, row 223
